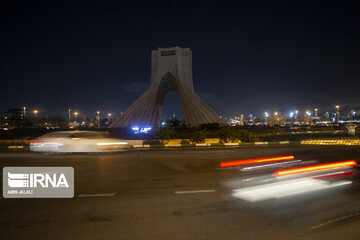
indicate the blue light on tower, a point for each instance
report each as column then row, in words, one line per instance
column 138, row 130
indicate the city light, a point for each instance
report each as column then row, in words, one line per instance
column 269, row 118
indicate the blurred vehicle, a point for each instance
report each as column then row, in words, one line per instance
column 77, row 141
column 291, row 177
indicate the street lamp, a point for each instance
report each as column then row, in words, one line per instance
column 296, row 113
column 276, row 118
column 109, row 115
column 76, row 113
column 308, row 114
column 69, row 116
column 24, row 111
column 337, row 113
column 291, row 115
column 266, row 116
column 353, row 113
column 35, row 113
column 98, row 117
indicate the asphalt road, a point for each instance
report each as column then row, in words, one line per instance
column 177, row 194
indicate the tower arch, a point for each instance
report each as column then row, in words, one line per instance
column 171, row 72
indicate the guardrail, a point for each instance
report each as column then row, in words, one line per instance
column 204, row 145
column 14, row 142
column 344, row 142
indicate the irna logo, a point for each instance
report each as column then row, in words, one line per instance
column 38, row 182
column 23, row 180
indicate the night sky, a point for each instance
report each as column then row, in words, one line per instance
column 248, row 57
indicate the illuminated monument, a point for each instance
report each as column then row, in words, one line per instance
column 171, row 71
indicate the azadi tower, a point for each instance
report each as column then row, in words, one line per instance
column 171, row 71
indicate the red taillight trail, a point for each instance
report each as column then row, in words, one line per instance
column 256, row 160
column 313, row 168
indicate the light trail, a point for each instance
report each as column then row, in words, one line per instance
column 256, row 160
column 314, row 168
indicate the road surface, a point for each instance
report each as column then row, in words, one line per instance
column 177, row 194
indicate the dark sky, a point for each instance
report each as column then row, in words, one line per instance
column 253, row 56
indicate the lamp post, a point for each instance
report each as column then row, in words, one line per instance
column 266, row 115
column 337, row 113
column 353, row 114
column 98, row 118
column 276, row 117
column 296, row 113
column 109, row 115
column 316, row 114
column 308, row 114
column 24, row 112
column 35, row 113
column 69, row 116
